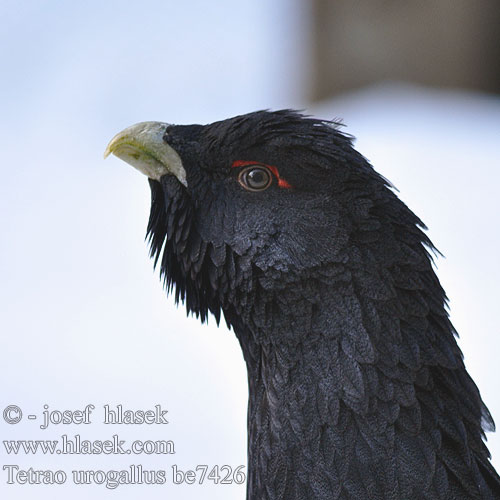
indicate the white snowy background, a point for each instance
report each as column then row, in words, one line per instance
column 83, row 318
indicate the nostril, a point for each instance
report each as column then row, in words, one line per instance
column 165, row 134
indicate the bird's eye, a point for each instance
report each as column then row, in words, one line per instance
column 255, row 178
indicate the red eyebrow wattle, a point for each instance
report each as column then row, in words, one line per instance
column 282, row 183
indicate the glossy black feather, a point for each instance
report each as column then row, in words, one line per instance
column 357, row 386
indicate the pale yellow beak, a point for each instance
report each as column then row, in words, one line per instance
column 143, row 147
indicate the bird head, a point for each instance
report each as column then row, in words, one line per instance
column 254, row 197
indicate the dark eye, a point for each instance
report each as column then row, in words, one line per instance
column 255, row 178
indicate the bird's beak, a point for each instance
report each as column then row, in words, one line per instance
column 143, row 147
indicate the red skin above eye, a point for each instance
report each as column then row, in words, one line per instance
column 281, row 182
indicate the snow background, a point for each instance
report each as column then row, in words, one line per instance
column 83, row 318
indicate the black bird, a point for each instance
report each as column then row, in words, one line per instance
column 357, row 387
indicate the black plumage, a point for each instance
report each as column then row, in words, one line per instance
column 357, row 387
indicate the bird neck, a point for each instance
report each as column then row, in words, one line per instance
column 352, row 378
column 305, row 387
